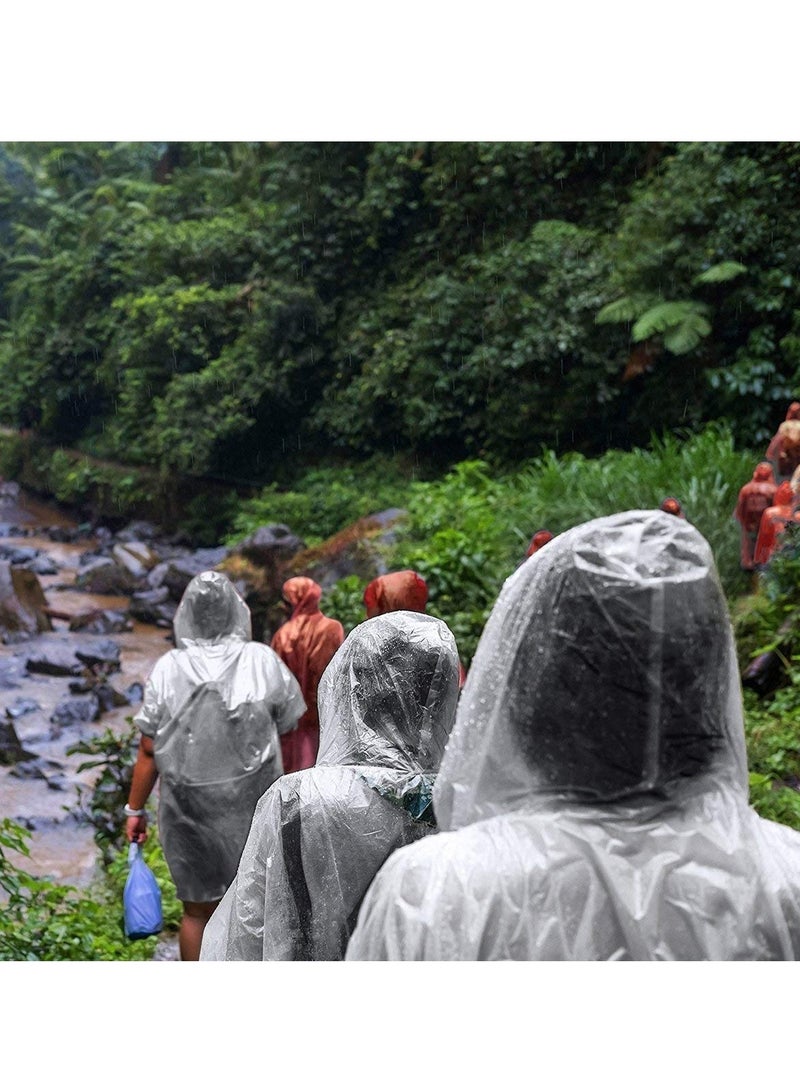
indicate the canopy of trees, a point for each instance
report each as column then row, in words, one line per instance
column 212, row 308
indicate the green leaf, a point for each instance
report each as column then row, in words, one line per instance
column 620, row 310
column 682, row 323
column 717, row 274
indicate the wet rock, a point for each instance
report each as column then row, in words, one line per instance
column 17, row 554
column 101, row 622
column 12, row 670
column 105, row 653
column 43, row 565
column 9, row 490
column 103, row 535
column 11, row 530
column 181, row 570
column 56, row 658
column 109, row 697
column 41, row 769
column 135, row 558
column 269, row 543
column 155, row 577
column 140, row 530
column 62, row 534
column 22, row 706
column 22, row 602
column 103, row 576
column 11, row 749
column 135, row 693
column 154, row 607
column 355, row 551
column 75, row 710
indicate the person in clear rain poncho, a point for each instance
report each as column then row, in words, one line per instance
column 595, row 786
column 212, row 712
column 386, row 705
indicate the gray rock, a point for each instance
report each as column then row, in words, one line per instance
column 53, row 657
column 75, row 710
column 181, row 570
column 269, row 543
column 101, row 622
column 42, row 565
column 139, row 530
column 17, row 554
column 11, row 749
column 12, row 670
column 103, row 576
column 22, row 602
column 98, row 653
column 135, row 693
column 22, row 706
column 135, row 558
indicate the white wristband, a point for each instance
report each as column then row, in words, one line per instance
column 131, row 813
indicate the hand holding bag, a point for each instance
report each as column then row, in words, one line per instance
column 141, row 898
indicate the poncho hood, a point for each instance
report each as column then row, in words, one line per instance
column 606, row 672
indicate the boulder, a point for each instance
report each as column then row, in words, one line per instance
column 138, row 531
column 135, row 558
column 12, row 670
column 181, row 570
column 21, row 707
column 99, row 653
column 358, row 550
column 17, row 554
column 22, row 602
column 54, row 657
column 75, row 710
column 42, row 565
column 153, row 606
column 11, row 749
column 103, row 576
column 101, row 622
column 270, row 544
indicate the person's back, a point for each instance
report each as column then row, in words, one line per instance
column 306, row 643
column 595, row 785
column 387, row 703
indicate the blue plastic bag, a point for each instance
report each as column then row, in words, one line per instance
column 141, row 898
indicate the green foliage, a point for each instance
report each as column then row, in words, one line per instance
column 113, row 756
column 719, row 273
column 345, row 602
column 681, row 324
column 324, row 499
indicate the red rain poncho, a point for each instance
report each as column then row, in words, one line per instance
column 672, row 507
column 306, row 643
column 396, row 591
column 405, row 590
column 773, row 521
column 540, row 538
column 774, row 451
column 754, row 498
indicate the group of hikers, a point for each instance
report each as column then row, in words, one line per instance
column 768, row 502
column 583, row 794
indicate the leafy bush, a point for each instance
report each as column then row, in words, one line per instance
column 323, row 500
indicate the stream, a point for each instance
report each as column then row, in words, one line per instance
column 62, row 844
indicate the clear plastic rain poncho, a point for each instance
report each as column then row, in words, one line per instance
column 386, row 704
column 214, row 708
column 595, row 783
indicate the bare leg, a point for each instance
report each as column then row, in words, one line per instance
column 190, row 937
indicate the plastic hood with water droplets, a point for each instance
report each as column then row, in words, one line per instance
column 596, row 782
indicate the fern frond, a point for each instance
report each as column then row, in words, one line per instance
column 620, row 310
column 717, row 274
column 662, row 317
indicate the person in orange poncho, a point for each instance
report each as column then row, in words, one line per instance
column 773, row 521
column 306, row 643
column 672, row 507
column 540, row 538
column 776, row 452
column 405, row 590
column 754, row 499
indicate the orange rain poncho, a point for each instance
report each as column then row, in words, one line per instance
column 672, row 507
column 754, row 498
column 405, row 590
column 773, row 521
column 540, row 538
column 396, row 591
column 775, row 452
column 306, row 643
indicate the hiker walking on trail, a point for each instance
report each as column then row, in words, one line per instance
column 212, row 712
column 386, row 703
column 306, row 643
column 594, row 791
column 754, row 498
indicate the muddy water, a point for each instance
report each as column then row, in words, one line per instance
column 61, row 844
